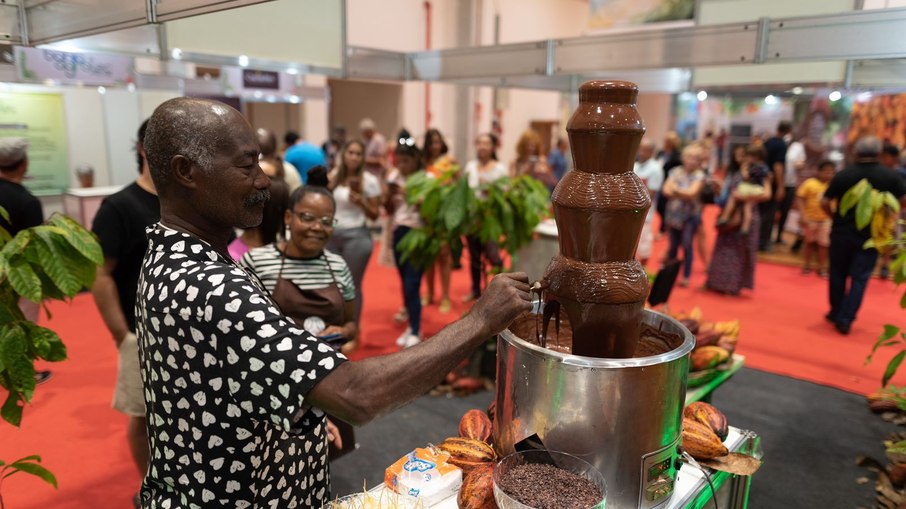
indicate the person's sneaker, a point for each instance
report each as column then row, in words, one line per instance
column 400, row 341
column 469, row 298
column 684, row 283
column 409, row 340
column 806, row 271
column 445, row 306
column 823, row 274
column 830, row 318
column 885, row 272
column 42, row 376
column 427, row 300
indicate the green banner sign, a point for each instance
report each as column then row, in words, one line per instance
column 39, row 119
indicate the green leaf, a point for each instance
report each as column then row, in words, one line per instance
column 4, row 214
column 11, row 411
column 853, row 195
column 55, row 260
column 43, row 340
column 892, row 367
column 864, row 210
column 36, row 470
column 81, row 239
column 903, row 301
column 891, row 201
column 25, row 282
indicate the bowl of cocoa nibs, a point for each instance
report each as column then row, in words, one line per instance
column 542, row 479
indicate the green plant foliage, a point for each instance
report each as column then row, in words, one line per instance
column 508, row 214
column 29, row 465
column 879, row 210
column 55, row 260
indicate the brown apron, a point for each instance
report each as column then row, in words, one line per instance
column 326, row 304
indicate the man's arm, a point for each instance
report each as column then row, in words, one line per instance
column 359, row 391
column 778, row 177
column 107, row 299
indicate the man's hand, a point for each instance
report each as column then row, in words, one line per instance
column 333, row 435
column 781, row 193
column 506, row 297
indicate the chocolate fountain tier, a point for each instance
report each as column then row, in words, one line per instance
column 606, row 128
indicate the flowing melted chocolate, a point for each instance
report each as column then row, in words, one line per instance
column 600, row 209
column 651, row 341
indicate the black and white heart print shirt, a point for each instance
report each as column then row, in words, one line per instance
column 226, row 376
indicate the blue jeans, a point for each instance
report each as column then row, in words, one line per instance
column 411, row 277
column 683, row 237
column 848, row 260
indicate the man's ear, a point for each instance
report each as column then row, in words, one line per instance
column 184, row 171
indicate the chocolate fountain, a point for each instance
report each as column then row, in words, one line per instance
column 607, row 383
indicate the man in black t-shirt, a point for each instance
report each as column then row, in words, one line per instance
column 23, row 208
column 775, row 158
column 848, row 259
column 120, row 226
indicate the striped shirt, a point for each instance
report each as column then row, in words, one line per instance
column 311, row 274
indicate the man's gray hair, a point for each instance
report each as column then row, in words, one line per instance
column 192, row 128
column 868, row 146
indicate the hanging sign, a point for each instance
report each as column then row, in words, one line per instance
column 35, row 64
column 268, row 80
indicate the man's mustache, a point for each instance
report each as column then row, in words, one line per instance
column 257, row 198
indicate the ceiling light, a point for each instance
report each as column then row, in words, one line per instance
column 702, row 95
column 243, row 61
column 797, row 90
column 770, row 99
column 835, row 96
column 176, row 53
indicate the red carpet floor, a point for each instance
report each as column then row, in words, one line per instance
column 82, row 440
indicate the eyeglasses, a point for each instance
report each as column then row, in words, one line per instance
column 326, row 221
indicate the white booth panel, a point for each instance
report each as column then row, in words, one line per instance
column 87, row 139
column 122, row 116
column 306, row 31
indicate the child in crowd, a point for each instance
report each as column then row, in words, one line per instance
column 754, row 173
column 815, row 223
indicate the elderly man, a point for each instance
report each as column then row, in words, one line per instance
column 848, row 259
column 375, row 148
column 235, row 393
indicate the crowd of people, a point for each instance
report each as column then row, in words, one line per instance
column 756, row 192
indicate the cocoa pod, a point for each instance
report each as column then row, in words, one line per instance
column 708, row 357
column 477, row 491
column 898, row 474
column 706, row 338
column 467, row 449
column 709, row 416
column 727, row 343
column 701, row 442
column 475, row 424
column 467, row 465
column 690, row 324
column 879, row 406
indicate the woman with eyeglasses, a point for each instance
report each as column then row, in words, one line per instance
column 312, row 285
column 358, row 198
